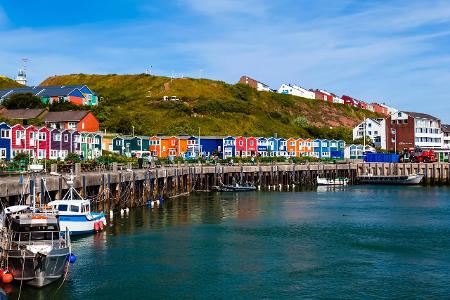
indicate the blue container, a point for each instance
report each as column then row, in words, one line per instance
column 381, row 158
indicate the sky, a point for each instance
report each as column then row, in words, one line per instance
column 396, row 52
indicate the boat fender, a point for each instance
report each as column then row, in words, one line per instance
column 127, row 209
column 72, row 258
column 122, row 212
column 259, row 187
column 100, row 225
column 7, row 277
column 111, row 213
column 153, row 204
column 96, row 226
column 1, row 273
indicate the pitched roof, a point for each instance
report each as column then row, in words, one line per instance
column 66, row 116
column 445, row 127
column 44, row 91
column 421, row 115
column 22, row 114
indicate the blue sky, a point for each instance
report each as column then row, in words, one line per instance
column 396, row 52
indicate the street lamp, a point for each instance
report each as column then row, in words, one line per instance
column 394, row 133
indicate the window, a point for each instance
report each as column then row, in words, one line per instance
column 41, row 153
column 74, row 208
column 72, row 125
column 42, row 136
column 2, row 153
column 139, row 142
column 66, row 138
column 251, row 143
column 62, row 207
column 241, row 143
column 57, row 137
column 173, row 142
column 82, row 125
column 5, row 133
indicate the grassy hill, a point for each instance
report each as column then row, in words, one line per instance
column 6, row 83
column 216, row 107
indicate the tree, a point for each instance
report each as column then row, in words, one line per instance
column 361, row 141
column 301, row 122
column 22, row 100
column 64, row 106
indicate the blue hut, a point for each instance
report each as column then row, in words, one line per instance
column 211, row 145
column 5, row 141
column 229, row 147
column 282, row 147
column 262, row 146
column 272, row 146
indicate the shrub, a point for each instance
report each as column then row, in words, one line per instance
column 25, row 100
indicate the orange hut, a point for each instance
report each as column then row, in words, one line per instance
column 183, row 145
column 169, row 146
column 308, row 148
column 300, row 146
column 291, row 147
column 155, row 146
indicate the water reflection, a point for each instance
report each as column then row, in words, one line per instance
column 292, row 244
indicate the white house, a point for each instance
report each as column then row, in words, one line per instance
column 445, row 128
column 337, row 99
column 375, row 130
column 295, row 90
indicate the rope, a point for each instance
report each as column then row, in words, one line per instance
column 21, row 282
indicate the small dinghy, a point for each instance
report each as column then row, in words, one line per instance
column 332, row 182
column 234, row 188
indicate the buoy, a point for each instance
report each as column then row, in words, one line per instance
column 127, row 209
column 122, row 212
column 72, row 258
column 259, row 187
column 153, row 204
column 96, row 226
column 7, row 278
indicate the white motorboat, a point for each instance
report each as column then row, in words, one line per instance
column 332, row 182
column 75, row 213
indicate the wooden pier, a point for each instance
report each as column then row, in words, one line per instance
column 115, row 189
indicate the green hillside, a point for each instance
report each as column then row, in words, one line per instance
column 6, row 83
column 216, row 107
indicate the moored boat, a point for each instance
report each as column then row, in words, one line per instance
column 75, row 213
column 413, row 179
column 234, row 188
column 33, row 249
column 328, row 181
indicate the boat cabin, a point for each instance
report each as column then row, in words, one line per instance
column 71, row 207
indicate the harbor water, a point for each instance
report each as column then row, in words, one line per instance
column 360, row 242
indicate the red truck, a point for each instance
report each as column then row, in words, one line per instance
column 418, row 155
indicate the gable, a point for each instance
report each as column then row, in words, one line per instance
column 76, row 93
